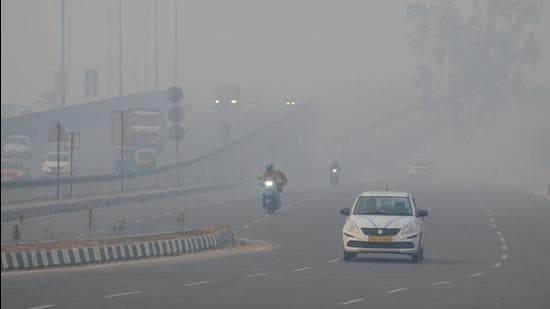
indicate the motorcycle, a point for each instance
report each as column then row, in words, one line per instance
column 334, row 177
column 271, row 199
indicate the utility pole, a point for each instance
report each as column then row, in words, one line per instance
column 121, row 151
column 63, row 65
column 156, row 47
column 58, row 168
column 176, row 41
column 119, row 48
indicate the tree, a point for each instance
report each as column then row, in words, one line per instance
column 474, row 62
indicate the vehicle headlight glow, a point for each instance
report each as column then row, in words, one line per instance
column 334, row 170
column 268, row 183
column 233, row 101
column 217, row 101
column 410, row 229
column 351, row 228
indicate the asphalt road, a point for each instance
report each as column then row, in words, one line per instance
column 485, row 248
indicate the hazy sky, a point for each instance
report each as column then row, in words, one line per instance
column 304, row 49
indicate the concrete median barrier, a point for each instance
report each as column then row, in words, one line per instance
column 39, row 255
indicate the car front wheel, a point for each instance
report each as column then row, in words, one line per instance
column 418, row 256
column 348, row 256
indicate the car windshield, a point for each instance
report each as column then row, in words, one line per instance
column 12, row 165
column 386, row 206
column 18, row 140
column 64, row 157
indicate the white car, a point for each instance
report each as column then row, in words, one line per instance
column 49, row 165
column 17, row 146
column 420, row 168
column 384, row 222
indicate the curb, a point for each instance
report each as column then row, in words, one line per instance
column 57, row 207
column 27, row 260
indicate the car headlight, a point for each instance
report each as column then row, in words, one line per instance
column 410, row 229
column 351, row 228
column 233, row 101
column 334, row 170
column 268, row 183
column 217, row 101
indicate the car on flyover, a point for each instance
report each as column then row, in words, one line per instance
column 50, row 167
column 384, row 222
column 16, row 146
column 14, row 170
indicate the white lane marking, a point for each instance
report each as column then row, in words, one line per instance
column 301, row 269
column 168, row 213
column 256, row 275
column 256, row 220
column 504, row 256
column 42, row 307
column 236, row 232
column 102, row 231
column 266, row 216
column 494, row 226
column 154, row 217
column 505, row 248
column 442, row 283
column 490, row 214
column 349, row 302
column 139, row 221
column 501, row 239
column 333, row 261
column 476, row 275
column 123, row 294
column 497, row 265
column 499, row 233
column 492, row 220
column 79, row 236
column 198, row 283
column 246, row 226
column 396, row 290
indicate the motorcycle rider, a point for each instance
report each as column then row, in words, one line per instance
column 335, row 166
column 278, row 177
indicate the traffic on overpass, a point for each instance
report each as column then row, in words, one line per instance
column 238, row 154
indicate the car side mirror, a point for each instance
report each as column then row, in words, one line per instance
column 422, row 213
column 345, row 211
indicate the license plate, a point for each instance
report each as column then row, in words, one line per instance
column 380, row 238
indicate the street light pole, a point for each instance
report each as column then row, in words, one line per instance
column 156, row 48
column 119, row 48
column 176, row 41
column 63, row 81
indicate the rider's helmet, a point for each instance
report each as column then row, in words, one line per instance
column 269, row 167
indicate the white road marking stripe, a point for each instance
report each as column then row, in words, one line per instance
column 504, row 247
column 499, row 233
column 352, row 301
column 266, row 216
column 256, row 275
column 442, row 283
column 490, row 214
column 497, row 265
column 168, row 213
column 102, row 231
column 494, row 226
column 501, row 239
column 42, row 307
column 236, row 232
column 396, row 290
column 333, row 261
column 123, row 294
column 504, row 256
column 139, row 221
column 256, row 220
column 198, row 283
column 79, row 236
column 246, row 226
column 476, row 275
column 301, row 269
column 492, row 220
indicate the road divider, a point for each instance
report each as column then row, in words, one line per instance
column 46, row 254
